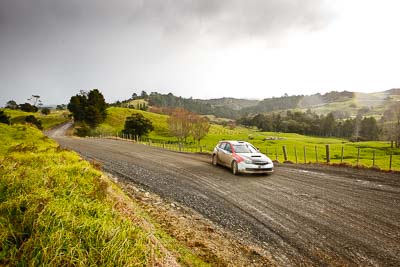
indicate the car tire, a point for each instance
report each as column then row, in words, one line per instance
column 234, row 168
column 214, row 160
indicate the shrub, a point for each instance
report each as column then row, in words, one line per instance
column 32, row 120
column 45, row 111
column 83, row 130
column 4, row 118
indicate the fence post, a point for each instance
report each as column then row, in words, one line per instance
column 295, row 153
column 358, row 155
column 341, row 159
column 316, row 154
column 373, row 158
column 276, row 153
column 390, row 161
column 305, row 155
column 284, row 153
column 328, row 154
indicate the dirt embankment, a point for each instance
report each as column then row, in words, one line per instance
column 300, row 215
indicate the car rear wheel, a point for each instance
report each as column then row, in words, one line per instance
column 214, row 160
column 234, row 168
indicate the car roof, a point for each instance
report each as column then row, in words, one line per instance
column 235, row 142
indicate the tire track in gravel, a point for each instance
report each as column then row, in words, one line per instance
column 301, row 215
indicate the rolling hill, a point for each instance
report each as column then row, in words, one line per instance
column 343, row 104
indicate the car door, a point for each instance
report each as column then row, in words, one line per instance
column 226, row 154
column 221, row 153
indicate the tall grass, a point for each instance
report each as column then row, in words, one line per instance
column 55, row 209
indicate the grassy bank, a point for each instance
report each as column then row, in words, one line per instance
column 56, row 209
column 49, row 121
column 268, row 142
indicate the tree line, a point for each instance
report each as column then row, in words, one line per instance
column 309, row 123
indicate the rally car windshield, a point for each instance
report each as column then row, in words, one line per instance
column 244, row 148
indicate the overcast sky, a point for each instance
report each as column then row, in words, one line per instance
column 199, row 48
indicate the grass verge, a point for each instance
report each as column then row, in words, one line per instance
column 57, row 209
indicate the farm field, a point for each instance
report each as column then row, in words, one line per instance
column 62, row 211
column 55, row 118
column 270, row 143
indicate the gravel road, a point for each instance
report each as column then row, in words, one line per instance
column 300, row 215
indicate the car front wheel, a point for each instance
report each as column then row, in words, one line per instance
column 234, row 168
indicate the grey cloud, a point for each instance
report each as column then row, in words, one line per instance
column 63, row 45
column 232, row 18
column 221, row 18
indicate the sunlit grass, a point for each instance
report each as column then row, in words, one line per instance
column 56, row 210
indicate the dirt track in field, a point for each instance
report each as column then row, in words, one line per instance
column 300, row 215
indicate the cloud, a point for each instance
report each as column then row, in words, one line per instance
column 57, row 46
column 221, row 18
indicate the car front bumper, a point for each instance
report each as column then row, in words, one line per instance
column 254, row 168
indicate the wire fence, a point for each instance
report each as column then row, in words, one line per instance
column 380, row 158
column 387, row 159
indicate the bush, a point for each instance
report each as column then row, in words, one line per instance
column 28, row 107
column 32, row 120
column 83, row 130
column 45, row 111
column 4, row 118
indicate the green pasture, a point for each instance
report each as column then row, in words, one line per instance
column 57, row 210
column 55, row 118
column 268, row 142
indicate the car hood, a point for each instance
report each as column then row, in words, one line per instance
column 255, row 157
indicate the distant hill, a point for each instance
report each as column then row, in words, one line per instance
column 343, row 104
column 232, row 103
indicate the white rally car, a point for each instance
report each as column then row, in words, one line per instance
column 241, row 157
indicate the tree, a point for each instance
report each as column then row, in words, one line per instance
column 61, row 107
column 12, row 104
column 328, row 125
column 179, row 124
column 144, row 95
column 77, row 105
column 369, row 129
column 45, row 111
column 4, row 118
column 200, row 127
column 391, row 124
column 143, row 106
column 137, row 125
column 34, row 99
column 32, row 120
column 88, row 107
column 96, row 100
column 96, row 108
column 28, row 107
